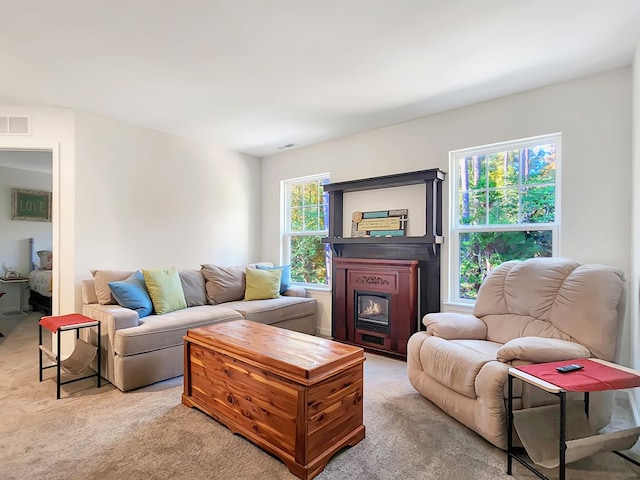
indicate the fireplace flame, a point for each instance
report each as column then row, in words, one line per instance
column 372, row 308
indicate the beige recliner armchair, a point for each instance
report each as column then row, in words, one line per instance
column 538, row 310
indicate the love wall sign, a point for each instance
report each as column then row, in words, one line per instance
column 31, row 205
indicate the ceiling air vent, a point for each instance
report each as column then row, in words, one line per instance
column 288, row 145
column 15, row 126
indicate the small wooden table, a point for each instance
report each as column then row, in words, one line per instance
column 22, row 285
column 295, row 395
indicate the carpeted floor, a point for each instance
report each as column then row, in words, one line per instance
column 148, row 434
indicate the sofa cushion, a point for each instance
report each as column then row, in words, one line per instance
column 132, row 293
column 193, row 287
column 275, row 310
column 262, row 284
column 165, row 290
column 505, row 327
column 540, row 350
column 224, row 284
column 285, row 278
column 162, row 331
column 101, row 279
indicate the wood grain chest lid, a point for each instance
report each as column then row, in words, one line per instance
column 295, row 355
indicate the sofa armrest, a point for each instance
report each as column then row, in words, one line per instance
column 294, row 291
column 455, row 326
column 89, row 292
column 113, row 317
column 541, row 350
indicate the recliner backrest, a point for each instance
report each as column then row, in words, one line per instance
column 554, row 298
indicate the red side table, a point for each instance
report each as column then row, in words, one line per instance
column 83, row 353
column 596, row 375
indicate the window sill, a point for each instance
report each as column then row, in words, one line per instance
column 458, row 307
column 316, row 288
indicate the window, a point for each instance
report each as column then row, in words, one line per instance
column 504, row 207
column 306, row 220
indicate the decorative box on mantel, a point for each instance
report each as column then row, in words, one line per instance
column 422, row 253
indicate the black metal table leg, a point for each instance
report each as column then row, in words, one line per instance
column 563, row 428
column 509, row 424
column 99, row 342
column 586, row 403
column 58, row 334
column 40, row 350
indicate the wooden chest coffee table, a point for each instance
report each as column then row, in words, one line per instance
column 297, row 396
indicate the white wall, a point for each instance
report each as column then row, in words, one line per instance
column 593, row 114
column 128, row 197
column 634, row 290
column 146, row 199
column 52, row 129
column 15, row 234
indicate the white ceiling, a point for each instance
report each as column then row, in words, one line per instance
column 253, row 75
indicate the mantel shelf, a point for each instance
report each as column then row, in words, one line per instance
column 426, row 239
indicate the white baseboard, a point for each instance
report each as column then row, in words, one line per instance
column 323, row 332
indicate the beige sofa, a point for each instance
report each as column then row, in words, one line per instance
column 141, row 351
column 538, row 310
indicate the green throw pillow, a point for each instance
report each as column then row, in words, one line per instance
column 165, row 290
column 285, row 280
column 262, row 284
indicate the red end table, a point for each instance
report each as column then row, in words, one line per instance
column 597, row 375
column 83, row 353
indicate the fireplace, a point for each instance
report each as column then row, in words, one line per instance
column 404, row 269
column 375, row 303
column 372, row 311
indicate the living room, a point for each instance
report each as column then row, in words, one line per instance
column 127, row 196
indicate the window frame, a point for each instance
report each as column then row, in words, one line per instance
column 285, row 221
column 455, row 228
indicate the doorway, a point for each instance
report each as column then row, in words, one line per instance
column 25, row 169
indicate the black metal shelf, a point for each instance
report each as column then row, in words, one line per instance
column 426, row 239
column 387, row 181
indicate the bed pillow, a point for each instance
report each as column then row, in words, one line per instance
column 132, row 293
column 46, row 259
column 262, row 284
column 285, row 278
column 165, row 290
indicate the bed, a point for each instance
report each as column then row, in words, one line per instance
column 40, row 280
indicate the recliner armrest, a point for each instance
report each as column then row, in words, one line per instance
column 541, row 350
column 455, row 326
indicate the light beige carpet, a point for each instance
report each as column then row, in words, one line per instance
column 148, row 434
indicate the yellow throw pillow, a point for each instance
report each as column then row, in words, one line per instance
column 262, row 284
column 165, row 290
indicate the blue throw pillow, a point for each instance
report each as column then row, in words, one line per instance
column 285, row 279
column 132, row 293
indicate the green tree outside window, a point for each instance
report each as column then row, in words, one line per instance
column 306, row 225
column 506, row 208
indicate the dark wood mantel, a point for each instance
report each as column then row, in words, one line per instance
column 424, row 249
column 432, row 179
